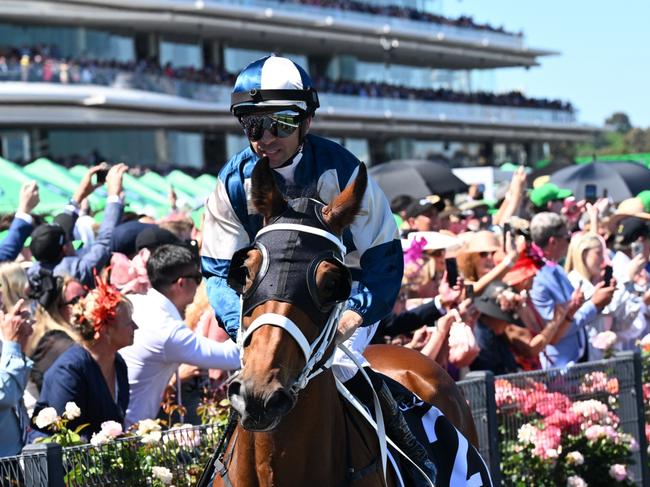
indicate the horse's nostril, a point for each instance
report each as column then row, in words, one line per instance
column 234, row 388
column 280, row 402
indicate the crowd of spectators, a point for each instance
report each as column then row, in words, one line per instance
column 44, row 63
column 115, row 312
column 398, row 11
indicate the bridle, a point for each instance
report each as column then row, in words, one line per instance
column 328, row 247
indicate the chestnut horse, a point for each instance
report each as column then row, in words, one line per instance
column 294, row 429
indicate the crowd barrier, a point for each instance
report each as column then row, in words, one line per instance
column 529, row 427
column 128, row 462
column 531, row 423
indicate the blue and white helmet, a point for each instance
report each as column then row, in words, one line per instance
column 273, row 81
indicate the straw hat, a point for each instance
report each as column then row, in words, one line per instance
column 627, row 208
column 435, row 240
column 483, row 241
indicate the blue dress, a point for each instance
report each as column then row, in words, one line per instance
column 76, row 376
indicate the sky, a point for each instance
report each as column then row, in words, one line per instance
column 604, row 65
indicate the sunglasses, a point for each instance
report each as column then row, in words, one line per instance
column 74, row 300
column 279, row 124
column 196, row 277
column 484, row 255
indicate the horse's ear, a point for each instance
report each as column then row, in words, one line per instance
column 265, row 195
column 341, row 211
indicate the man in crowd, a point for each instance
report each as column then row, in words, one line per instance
column 551, row 287
column 22, row 223
column 51, row 244
column 163, row 341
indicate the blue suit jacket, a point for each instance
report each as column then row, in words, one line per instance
column 95, row 258
column 550, row 288
column 13, row 243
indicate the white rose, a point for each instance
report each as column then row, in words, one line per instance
column 151, row 437
column 575, row 458
column 112, row 429
column 147, row 425
column 99, row 439
column 163, row 474
column 576, row 481
column 72, row 411
column 46, row 417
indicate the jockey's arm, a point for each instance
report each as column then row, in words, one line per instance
column 381, row 263
column 223, row 234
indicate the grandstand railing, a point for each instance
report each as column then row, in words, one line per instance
column 331, row 103
column 382, row 23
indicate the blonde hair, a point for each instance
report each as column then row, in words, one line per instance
column 13, row 284
column 577, row 248
column 196, row 308
column 50, row 318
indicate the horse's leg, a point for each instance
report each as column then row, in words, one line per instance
column 428, row 380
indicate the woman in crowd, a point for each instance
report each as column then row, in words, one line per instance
column 53, row 327
column 584, row 265
column 476, row 260
column 92, row 374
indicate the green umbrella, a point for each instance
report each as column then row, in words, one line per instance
column 187, row 183
column 159, row 184
column 208, row 180
column 139, row 197
column 52, row 175
column 10, row 183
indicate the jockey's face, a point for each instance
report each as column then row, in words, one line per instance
column 278, row 149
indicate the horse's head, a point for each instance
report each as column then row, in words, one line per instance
column 293, row 284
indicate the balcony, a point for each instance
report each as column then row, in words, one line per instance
column 111, row 97
column 280, row 26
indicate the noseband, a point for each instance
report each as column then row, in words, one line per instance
column 292, row 248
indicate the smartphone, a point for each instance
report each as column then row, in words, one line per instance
column 607, row 276
column 100, row 176
column 591, row 193
column 452, row 271
column 636, row 248
column 469, row 291
column 506, row 230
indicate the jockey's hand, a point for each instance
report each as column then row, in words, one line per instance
column 349, row 322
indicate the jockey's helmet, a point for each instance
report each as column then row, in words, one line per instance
column 273, row 83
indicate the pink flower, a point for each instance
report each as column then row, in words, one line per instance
column 604, row 340
column 618, row 472
column 112, row 429
column 576, row 481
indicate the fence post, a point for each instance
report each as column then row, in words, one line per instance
column 632, row 410
column 484, row 411
column 43, row 465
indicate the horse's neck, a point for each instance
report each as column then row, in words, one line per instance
column 307, row 446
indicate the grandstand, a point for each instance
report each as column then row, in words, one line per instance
column 148, row 81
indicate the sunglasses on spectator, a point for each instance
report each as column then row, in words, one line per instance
column 280, row 125
column 196, row 277
column 486, row 254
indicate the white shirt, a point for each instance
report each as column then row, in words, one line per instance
column 161, row 343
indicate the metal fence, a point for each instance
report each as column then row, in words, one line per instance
column 502, row 405
column 127, row 462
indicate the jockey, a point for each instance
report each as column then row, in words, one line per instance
column 274, row 101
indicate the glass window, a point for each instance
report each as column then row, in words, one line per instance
column 62, row 41
column 185, row 148
column 15, row 145
column 235, row 59
column 179, row 53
